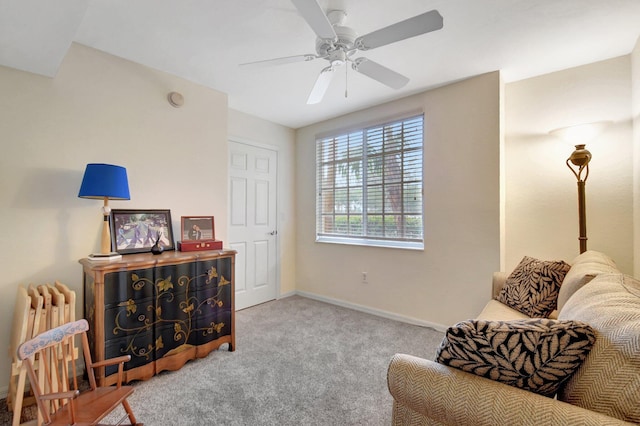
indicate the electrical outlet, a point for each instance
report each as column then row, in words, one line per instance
column 364, row 278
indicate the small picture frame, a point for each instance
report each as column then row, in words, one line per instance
column 197, row 228
column 136, row 231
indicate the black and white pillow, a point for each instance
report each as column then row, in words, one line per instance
column 537, row 355
column 532, row 288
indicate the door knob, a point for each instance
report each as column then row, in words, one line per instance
column 273, row 233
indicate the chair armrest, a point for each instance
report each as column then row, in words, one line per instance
column 111, row 361
column 447, row 396
column 499, row 278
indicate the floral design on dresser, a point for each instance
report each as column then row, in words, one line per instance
column 178, row 303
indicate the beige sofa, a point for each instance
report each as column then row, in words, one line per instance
column 605, row 390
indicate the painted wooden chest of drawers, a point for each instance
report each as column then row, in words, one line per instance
column 162, row 310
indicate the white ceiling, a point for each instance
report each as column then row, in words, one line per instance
column 204, row 41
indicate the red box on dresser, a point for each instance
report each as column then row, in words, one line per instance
column 198, row 245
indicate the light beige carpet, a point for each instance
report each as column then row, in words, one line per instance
column 297, row 362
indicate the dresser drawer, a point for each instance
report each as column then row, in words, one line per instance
column 140, row 346
column 211, row 326
column 128, row 318
column 128, row 285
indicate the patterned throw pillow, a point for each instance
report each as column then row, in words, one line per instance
column 532, row 288
column 537, row 355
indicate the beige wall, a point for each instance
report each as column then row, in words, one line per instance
column 541, row 192
column 450, row 279
column 98, row 108
column 252, row 130
column 635, row 108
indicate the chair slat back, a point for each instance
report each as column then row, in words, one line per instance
column 20, row 321
column 51, row 337
column 48, row 308
column 70, row 301
column 42, row 322
column 58, row 301
column 36, row 306
column 48, row 356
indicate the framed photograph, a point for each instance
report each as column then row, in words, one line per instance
column 197, row 228
column 136, row 231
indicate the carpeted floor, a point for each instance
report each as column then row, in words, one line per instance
column 297, row 362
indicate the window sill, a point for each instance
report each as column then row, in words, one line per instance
column 406, row 245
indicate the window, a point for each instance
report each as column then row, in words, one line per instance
column 369, row 186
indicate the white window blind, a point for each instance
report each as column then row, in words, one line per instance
column 369, row 185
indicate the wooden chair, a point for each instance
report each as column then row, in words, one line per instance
column 69, row 406
column 69, row 300
column 26, row 325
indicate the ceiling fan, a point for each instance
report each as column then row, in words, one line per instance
column 338, row 43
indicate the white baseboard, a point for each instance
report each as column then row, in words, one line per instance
column 288, row 294
column 368, row 310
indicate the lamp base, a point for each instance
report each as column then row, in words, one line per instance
column 105, row 257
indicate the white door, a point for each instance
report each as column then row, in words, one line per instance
column 252, row 217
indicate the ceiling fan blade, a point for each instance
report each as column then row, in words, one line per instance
column 420, row 24
column 279, row 61
column 316, row 18
column 380, row 73
column 321, row 86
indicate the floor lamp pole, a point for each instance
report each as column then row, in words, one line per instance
column 580, row 159
column 582, row 217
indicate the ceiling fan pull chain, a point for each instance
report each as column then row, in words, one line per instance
column 346, row 80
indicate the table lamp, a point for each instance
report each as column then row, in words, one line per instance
column 104, row 182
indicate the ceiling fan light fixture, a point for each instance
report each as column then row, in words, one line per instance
column 337, row 58
column 337, row 17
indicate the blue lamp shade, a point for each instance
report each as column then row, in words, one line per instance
column 104, row 180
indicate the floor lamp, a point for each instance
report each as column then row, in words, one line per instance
column 104, row 182
column 580, row 160
column 578, row 163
